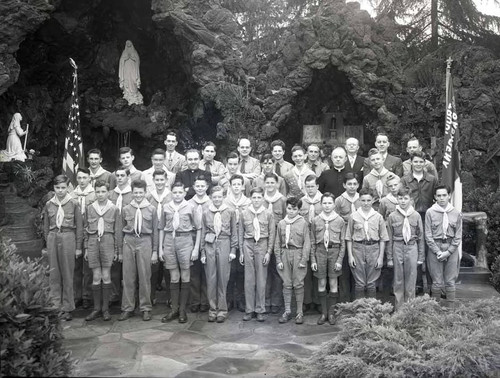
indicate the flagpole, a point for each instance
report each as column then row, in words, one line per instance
column 448, row 74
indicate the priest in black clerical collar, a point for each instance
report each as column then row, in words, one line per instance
column 188, row 176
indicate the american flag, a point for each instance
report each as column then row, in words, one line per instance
column 73, row 146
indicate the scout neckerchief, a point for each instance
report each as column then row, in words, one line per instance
column 327, row 218
column 392, row 199
column 352, row 200
column 176, row 219
column 82, row 194
column 236, row 203
column 366, row 217
column 445, row 212
column 288, row 227
column 94, row 176
column 301, row 176
column 199, row 202
column 138, row 215
column 159, row 199
column 119, row 199
column 312, row 202
column 60, row 210
column 217, row 217
column 272, row 199
column 379, row 185
column 256, row 224
column 101, row 211
column 406, row 222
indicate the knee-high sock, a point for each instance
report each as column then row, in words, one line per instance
column 287, row 297
column 107, row 289
column 185, row 288
column 322, row 301
column 174, row 295
column 96, row 294
column 299, row 296
column 332, row 301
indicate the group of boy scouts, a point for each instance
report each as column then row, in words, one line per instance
column 251, row 234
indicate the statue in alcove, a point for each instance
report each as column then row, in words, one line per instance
column 129, row 75
column 14, row 150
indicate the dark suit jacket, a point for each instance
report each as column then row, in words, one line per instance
column 392, row 163
column 187, row 178
column 358, row 168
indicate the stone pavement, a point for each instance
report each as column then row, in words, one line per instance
column 198, row 348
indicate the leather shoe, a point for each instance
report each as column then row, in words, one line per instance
column 285, row 318
column 204, row 308
column 321, row 320
column 221, row 319
column 66, row 316
column 170, row 316
column 106, row 316
column 93, row 315
column 124, row 315
column 212, row 318
column 86, row 304
column 194, row 308
column 183, row 317
column 261, row 317
column 146, row 316
column 299, row 319
column 247, row 316
column 332, row 319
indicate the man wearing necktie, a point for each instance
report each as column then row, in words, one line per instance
column 314, row 162
column 281, row 167
column 249, row 166
column 209, row 164
column 392, row 163
column 174, row 161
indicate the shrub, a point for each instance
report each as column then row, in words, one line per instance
column 30, row 329
column 423, row 339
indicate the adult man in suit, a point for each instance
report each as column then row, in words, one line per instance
column 354, row 162
column 391, row 163
column 281, row 167
column 174, row 161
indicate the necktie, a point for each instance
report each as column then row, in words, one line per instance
column 277, row 169
column 243, row 165
column 217, row 223
column 207, row 166
column 256, row 227
column 81, row 200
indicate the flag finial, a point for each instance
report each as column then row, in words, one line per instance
column 73, row 64
column 448, row 63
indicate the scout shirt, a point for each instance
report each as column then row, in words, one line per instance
column 276, row 204
column 159, row 200
column 295, row 181
column 258, row 182
column 187, row 216
column 226, row 184
column 336, row 234
column 387, row 205
column 249, row 164
column 71, row 218
column 188, row 176
column 311, row 206
column 126, row 196
column 345, row 205
column 100, row 174
column 374, row 228
column 238, row 205
column 318, row 167
column 111, row 223
column 395, row 224
column 282, row 167
column 434, row 225
column 84, row 196
column 228, row 227
column 266, row 223
column 147, row 176
column 377, row 183
column 216, row 169
column 199, row 205
column 299, row 238
column 134, row 174
column 149, row 226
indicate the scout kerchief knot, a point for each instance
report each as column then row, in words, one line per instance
column 406, row 222
column 256, row 224
column 60, row 210
column 312, row 201
column 298, row 175
column 327, row 219
column 138, row 215
column 379, row 185
column 366, row 217
column 276, row 196
column 94, row 176
column 236, row 203
column 119, row 200
column 101, row 211
column 159, row 200
column 352, row 200
column 288, row 227
column 445, row 212
column 82, row 194
column 199, row 207
column 392, row 199
column 176, row 219
column 217, row 217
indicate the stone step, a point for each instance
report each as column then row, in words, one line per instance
column 30, row 248
column 474, row 275
column 20, row 233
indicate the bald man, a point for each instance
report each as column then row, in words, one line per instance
column 332, row 180
column 391, row 163
column 249, row 167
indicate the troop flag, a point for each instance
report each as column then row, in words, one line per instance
column 451, row 156
column 73, row 146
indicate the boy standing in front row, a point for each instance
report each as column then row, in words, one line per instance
column 257, row 230
column 140, row 248
column 443, row 234
column 292, row 248
column 366, row 235
column 405, row 249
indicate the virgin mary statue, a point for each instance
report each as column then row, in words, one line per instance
column 14, row 149
column 130, row 78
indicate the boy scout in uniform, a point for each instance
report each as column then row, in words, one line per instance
column 257, row 230
column 376, row 179
column 267, row 165
column 405, row 249
column 348, row 202
column 328, row 249
column 366, row 235
column 102, row 245
column 390, row 201
column 178, row 248
column 292, row 247
column 140, row 248
column 219, row 240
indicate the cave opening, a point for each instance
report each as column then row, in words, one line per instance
column 328, row 95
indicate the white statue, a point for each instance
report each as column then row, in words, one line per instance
column 128, row 73
column 14, row 149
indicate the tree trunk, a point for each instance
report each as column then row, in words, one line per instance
column 434, row 25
